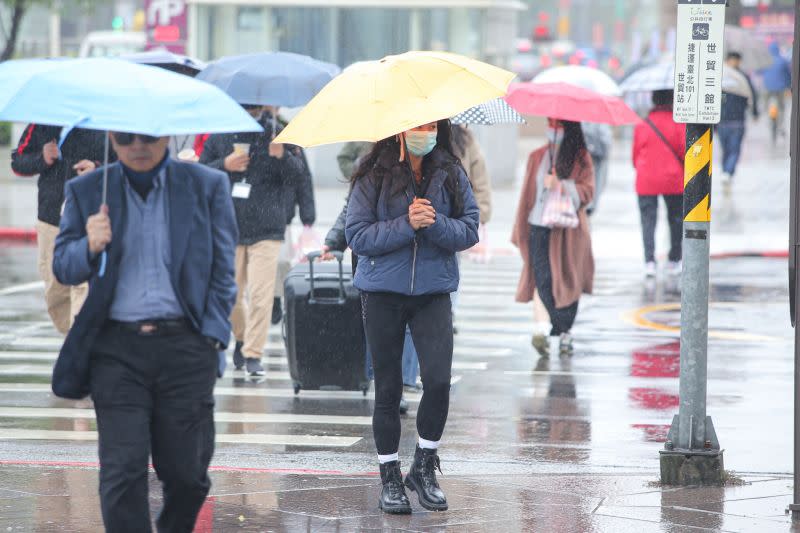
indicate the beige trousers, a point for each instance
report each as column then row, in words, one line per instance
column 63, row 302
column 256, row 267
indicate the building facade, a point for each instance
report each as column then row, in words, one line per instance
column 347, row 31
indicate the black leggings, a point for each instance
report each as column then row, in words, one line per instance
column 430, row 319
column 648, row 210
column 562, row 319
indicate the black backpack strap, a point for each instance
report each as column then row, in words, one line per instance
column 677, row 156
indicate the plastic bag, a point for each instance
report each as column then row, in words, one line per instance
column 481, row 252
column 308, row 241
column 559, row 211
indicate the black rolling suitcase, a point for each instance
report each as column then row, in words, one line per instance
column 323, row 331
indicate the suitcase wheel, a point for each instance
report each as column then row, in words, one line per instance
column 296, row 389
column 365, row 388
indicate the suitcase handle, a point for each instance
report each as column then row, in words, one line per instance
column 312, row 299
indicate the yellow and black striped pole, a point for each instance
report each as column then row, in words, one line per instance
column 697, row 175
column 692, row 453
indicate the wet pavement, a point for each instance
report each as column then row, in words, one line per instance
column 531, row 444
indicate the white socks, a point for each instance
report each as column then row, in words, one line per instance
column 429, row 444
column 425, row 444
column 383, row 459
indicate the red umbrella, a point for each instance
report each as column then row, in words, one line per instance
column 569, row 102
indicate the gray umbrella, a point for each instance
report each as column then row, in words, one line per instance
column 755, row 53
column 492, row 112
column 661, row 76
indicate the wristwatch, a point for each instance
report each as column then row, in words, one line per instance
column 218, row 346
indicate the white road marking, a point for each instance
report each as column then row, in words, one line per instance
column 557, row 373
column 315, row 441
column 251, row 418
column 25, row 287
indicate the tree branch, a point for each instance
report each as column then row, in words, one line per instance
column 18, row 11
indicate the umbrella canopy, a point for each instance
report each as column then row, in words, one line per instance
column 272, row 78
column 377, row 99
column 568, row 102
column 163, row 58
column 493, row 112
column 755, row 52
column 734, row 82
column 114, row 95
column 661, row 76
column 588, row 78
column 655, row 77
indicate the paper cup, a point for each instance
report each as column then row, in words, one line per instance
column 241, row 148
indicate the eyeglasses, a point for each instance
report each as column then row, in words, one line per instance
column 126, row 139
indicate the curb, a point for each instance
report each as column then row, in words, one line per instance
column 17, row 235
column 775, row 254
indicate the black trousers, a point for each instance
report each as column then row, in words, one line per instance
column 648, row 210
column 430, row 319
column 153, row 395
column 562, row 319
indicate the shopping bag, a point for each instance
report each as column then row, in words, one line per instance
column 559, row 211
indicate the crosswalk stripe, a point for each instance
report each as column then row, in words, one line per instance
column 271, row 375
column 50, row 357
column 246, row 418
column 314, row 441
column 25, row 370
column 245, row 392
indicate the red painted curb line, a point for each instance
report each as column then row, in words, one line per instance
column 17, row 234
column 215, row 468
column 775, row 254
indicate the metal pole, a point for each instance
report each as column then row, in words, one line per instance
column 692, row 434
column 692, row 453
column 794, row 251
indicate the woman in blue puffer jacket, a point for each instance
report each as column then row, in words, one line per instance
column 411, row 210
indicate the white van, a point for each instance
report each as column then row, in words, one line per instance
column 112, row 43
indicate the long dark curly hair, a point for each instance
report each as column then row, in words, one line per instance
column 572, row 149
column 389, row 150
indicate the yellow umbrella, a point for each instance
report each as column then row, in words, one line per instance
column 374, row 100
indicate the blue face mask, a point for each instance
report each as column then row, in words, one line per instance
column 421, row 143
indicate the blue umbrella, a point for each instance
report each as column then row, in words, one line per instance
column 114, row 95
column 273, row 78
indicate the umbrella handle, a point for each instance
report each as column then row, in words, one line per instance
column 103, row 259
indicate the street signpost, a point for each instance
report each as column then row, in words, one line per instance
column 692, row 453
column 794, row 253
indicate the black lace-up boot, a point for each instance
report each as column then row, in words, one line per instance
column 421, row 479
column 393, row 498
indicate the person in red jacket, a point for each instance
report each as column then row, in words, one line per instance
column 659, row 145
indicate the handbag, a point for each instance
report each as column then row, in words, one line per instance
column 559, row 211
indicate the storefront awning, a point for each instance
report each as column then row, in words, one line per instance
column 409, row 4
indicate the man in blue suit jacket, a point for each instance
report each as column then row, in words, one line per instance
column 159, row 258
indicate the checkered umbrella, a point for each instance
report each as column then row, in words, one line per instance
column 488, row 114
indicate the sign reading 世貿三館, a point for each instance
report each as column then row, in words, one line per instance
column 699, row 61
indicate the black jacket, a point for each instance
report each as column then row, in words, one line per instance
column 335, row 239
column 301, row 194
column 263, row 215
column 27, row 160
